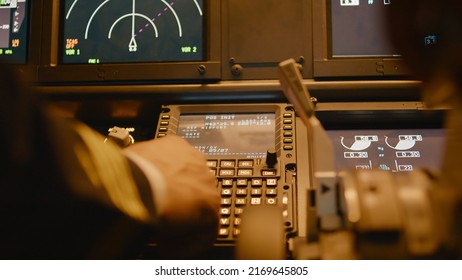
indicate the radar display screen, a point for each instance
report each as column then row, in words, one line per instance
column 13, row 31
column 398, row 150
column 132, row 31
column 229, row 135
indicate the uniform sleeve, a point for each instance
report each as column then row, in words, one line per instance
column 100, row 171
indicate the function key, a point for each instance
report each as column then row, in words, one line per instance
column 288, row 147
column 245, row 163
column 245, row 172
column 268, row 173
column 165, row 117
column 212, row 163
column 227, row 163
column 227, row 172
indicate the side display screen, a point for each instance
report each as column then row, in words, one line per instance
column 243, row 135
column 393, row 150
column 13, row 31
column 358, row 29
column 121, row 31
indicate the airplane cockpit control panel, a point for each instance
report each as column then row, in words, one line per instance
column 250, row 148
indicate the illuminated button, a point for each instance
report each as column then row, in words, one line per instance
column 161, row 135
column 236, row 232
column 225, row 211
column 288, row 140
column 271, row 192
column 288, row 134
column 245, row 172
column 226, row 192
column 287, row 115
column 227, row 172
column 163, row 129
column 271, row 182
column 213, row 171
column 271, row 201
column 238, row 211
column 227, row 163
column 287, row 127
column 255, row 201
column 241, row 192
column 268, row 172
column 288, row 147
column 164, row 123
column 241, row 201
column 256, row 192
column 165, row 117
column 237, row 221
column 227, row 183
column 257, row 182
column 245, row 163
column 224, row 221
column 289, row 121
column 226, row 201
column 223, row 232
column 212, row 163
column 241, row 183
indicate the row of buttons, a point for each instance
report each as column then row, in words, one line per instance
column 163, row 125
column 288, row 132
column 227, row 168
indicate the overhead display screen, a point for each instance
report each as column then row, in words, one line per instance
column 399, row 150
column 13, row 31
column 229, row 135
column 123, row 31
column 358, row 29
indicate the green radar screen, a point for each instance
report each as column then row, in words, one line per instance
column 132, row 31
column 13, row 31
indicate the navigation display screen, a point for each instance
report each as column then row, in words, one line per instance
column 243, row 135
column 399, row 150
column 13, row 31
column 121, row 31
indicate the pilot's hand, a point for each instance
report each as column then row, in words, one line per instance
column 191, row 199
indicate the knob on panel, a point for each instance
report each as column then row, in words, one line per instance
column 271, row 157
